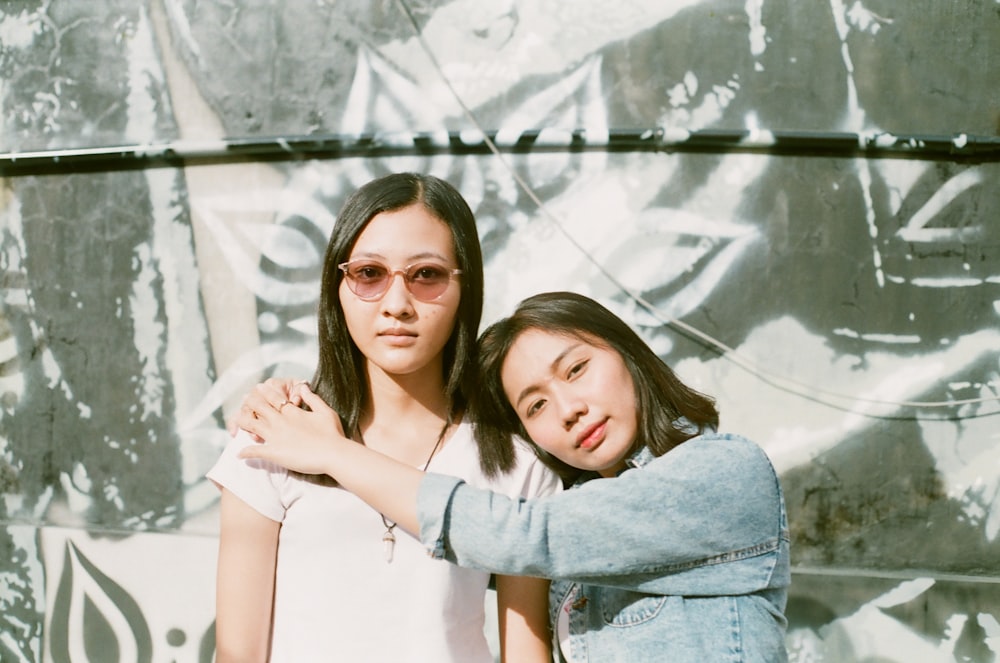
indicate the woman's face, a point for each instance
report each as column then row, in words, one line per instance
column 398, row 332
column 576, row 399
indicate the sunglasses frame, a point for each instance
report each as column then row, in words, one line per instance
column 391, row 275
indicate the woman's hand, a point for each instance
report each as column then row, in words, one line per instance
column 311, row 441
column 273, row 393
column 302, row 440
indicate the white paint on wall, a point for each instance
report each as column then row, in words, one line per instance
column 681, row 93
column 705, row 114
column 899, row 176
column 865, row 20
column 916, row 229
column 549, row 36
column 181, row 27
column 76, row 488
column 149, row 333
column 876, row 635
column 12, row 251
column 402, row 104
column 758, row 34
column 574, row 101
column 889, row 339
column 180, row 561
column 966, row 459
column 991, row 626
column 30, row 568
column 809, row 398
column 19, row 30
column 143, row 71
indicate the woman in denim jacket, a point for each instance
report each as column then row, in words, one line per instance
column 682, row 556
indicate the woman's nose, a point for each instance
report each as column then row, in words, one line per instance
column 571, row 408
column 397, row 300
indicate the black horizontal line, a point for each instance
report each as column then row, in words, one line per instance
column 959, row 147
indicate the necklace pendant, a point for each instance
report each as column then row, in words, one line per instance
column 388, row 545
column 389, row 539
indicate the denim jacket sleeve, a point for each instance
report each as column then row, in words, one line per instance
column 706, row 518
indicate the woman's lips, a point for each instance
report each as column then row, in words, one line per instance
column 592, row 436
column 398, row 336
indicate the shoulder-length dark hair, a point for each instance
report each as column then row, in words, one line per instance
column 669, row 412
column 340, row 377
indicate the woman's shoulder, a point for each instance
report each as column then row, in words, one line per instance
column 231, row 470
column 726, row 439
column 528, row 477
column 718, row 449
column 262, row 485
column 720, row 467
column 229, row 459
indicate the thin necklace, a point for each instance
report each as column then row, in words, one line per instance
column 389, row 538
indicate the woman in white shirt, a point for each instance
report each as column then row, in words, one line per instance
column 309, row 572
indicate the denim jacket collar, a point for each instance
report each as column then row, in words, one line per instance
column 644, row 456
column 639, row 459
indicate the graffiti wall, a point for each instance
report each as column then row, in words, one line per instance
column 796, row 203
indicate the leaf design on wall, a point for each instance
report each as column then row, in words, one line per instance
column 95, row 619
column 939, row 229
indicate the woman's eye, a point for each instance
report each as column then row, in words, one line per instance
column 576, row 368
column 534, row 408
column 369, row 272
column 429, row 273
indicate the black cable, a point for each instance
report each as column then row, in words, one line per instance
column 964, row 148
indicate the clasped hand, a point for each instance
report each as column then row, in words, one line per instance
column 287, row 434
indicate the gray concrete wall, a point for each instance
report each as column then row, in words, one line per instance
column 843, row 304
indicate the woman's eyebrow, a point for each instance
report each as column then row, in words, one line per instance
column 423, row 255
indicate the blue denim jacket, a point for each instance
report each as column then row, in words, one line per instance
column 685, row 557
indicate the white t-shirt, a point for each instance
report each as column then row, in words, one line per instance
column 336, row 598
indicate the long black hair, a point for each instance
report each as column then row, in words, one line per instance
column 340, row 377
column 669, row 412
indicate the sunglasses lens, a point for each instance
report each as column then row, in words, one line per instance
column 427, row 282
column 367, row 279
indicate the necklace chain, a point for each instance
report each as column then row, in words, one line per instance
column 389, row 538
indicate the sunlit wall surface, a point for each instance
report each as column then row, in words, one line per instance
column 795, row 202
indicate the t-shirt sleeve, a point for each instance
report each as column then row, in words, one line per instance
column 256, row 482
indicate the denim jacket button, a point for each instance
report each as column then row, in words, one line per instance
column 580, row 603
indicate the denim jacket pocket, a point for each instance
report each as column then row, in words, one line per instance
column 621, row 607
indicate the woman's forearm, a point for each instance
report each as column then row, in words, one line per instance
column 248, row 547
column 523, row 619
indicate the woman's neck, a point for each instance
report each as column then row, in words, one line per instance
column 405, row 414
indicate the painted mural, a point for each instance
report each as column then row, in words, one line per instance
column 843, row 305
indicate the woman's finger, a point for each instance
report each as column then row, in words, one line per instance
column 280, row 391
column 271, row 393
column 318, row 406
column 249, row 418
column 295, row 391
column 262, row 401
